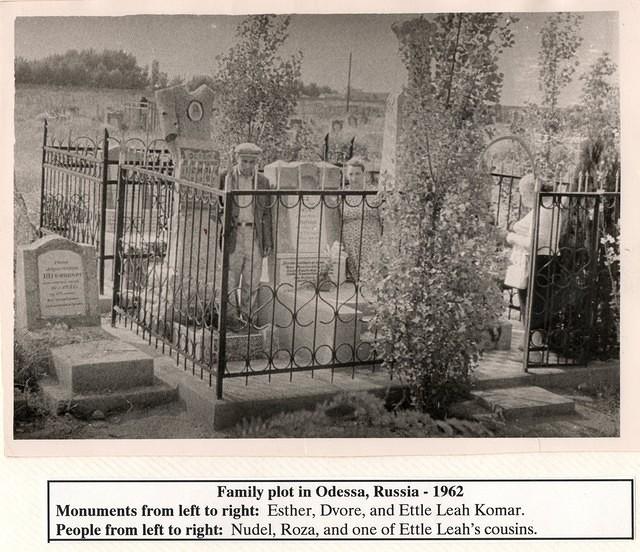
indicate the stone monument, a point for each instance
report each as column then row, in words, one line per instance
column 56, row 282
column 306, row 229
column 185, row 120
column 306, row 276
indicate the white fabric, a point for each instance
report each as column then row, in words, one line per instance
column 549, row 227
column 245, row 202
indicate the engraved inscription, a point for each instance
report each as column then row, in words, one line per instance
column 61, row 282
column 309, row 269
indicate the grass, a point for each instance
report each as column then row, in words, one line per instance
column 72, row 111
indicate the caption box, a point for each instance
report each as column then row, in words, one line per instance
column 340, row 510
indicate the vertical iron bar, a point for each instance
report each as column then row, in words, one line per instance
column 593, row 269
column 275, row 276
column 222, row 324
column 532, row 274
column 117, row 259
column 43, row 180
column 253, row 199
column 103, row 206
column 295, row 285
column 363, row 198
column 314, row 359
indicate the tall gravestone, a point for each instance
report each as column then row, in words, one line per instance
column 185, row 120
column 56, row 282
column 306, row 227
column 392, row 135
column 303, row 270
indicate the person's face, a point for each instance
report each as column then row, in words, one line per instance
column 247, row 165
column 355, row 176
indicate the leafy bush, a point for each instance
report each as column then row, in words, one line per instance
column 437, row 271
column 356, row 415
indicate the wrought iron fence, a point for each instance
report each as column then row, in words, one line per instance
column 571, row 311
column 73, row 191
column 233, row 294
column 246, row 283
column 79, row 186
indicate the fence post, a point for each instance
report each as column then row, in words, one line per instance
column 224, row 284
column 42, row 180
column 103, row 205
column 531, row 284
column 119, row 245
column 594, row 259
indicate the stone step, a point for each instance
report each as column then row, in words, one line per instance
column 528, row 401
column 60, row 400
column 101, row 366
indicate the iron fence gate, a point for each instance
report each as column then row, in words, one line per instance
column 573, row 285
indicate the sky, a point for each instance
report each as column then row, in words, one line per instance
column 186, row 45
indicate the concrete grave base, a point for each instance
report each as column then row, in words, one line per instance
column 104, row 365
column 39, row 343
column 60, row 400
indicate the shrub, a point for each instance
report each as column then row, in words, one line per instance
column 437, row 270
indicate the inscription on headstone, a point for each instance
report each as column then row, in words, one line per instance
column 61, row 281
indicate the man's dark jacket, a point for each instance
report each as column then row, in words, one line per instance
column 261, row 211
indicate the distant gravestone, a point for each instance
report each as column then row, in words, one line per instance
column 56, row 281
column 391, row 135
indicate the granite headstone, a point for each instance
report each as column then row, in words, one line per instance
column 56, row 282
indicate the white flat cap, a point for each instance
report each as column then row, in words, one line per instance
column 248, row 150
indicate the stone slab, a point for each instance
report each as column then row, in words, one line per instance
column 40, row 342
column 60, row 400
column 56, row 281
column 101, row 365
column 529, row 401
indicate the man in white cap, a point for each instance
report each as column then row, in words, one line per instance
column 249, row 237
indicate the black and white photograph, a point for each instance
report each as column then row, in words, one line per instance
column 366, row 225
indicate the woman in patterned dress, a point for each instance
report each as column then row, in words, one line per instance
column 361, row 223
